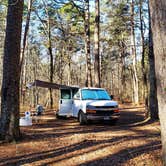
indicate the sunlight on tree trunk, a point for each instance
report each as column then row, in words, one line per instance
column 133, row 53
column 97, row 44
column 87, row 45
column 153, row 102
column 22, row 58
column 158, row 24
column 51, row 61
column 144, row 73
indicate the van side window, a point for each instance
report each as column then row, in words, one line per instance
column 74, row 91
column 77, row 96
column 65, row 94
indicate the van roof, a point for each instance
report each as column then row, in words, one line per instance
column 92, row 88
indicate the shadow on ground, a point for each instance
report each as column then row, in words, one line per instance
column 92, row 139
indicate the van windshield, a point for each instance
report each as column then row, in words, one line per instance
column 95, row 94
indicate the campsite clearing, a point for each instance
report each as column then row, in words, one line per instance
column 63, row 142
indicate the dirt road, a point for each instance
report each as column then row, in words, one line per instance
column 50, row 141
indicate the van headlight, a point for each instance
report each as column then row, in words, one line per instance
column 90, row 109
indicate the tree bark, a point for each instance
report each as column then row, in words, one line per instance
column 102, row 68
column 158, row 24
column 26, row 32
column 153, row 102
column 88, row 81
column 69, row 72
column 133, row 53
column 51, row 61
column 123, row 80
column 144, row 74
column 97, row 45
column 47, row 31
column 35, row 72
column 9, row 121
column 22, row 59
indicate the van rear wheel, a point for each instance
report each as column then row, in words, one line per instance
column 82, row 118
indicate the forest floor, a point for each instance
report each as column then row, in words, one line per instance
column 63, row 142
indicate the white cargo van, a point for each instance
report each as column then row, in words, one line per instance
column 83, row 103
column 87, row 104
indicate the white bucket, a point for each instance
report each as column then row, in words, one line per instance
column 25, row 121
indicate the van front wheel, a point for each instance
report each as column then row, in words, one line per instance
column 82, row 118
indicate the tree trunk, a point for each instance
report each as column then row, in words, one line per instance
column 102, row 68
column 153, row 102
column 133, row 53
column 123, row 80
column 60, row 68
column 51, row 61
column 158, row 24
column 34, row 68
column 26, row 32
column 9, row 121
column 87, row 45
column 144, row 74
column 96, row 42
column 69, row 73
column 23, row 80
column 22, row 59
column 112, row 83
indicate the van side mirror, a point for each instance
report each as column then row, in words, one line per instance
column 112, row 97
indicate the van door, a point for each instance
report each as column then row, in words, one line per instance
column 76, row 104
column 65, row 103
